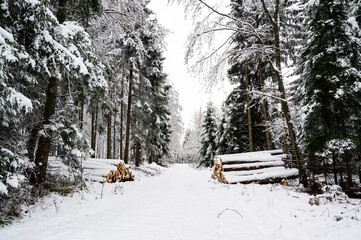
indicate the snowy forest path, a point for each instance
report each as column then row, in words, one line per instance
column 175, row 205
column 185, row 203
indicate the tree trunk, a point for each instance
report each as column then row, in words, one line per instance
column 285, row 146
column 285, row 140
column 324, row 170
column 33, row 138
column 346, row 159
column 278, row 72
column 114, row 132
column 127, row 133
column 334, row 167
column 109, row 135
column 150, row 159
column 61, row 13
column 264, row 108
column 94, row 130
column 341, row 174
column 42, row 154
column 137, row 154
column 248, row 110
column 121, row 120
column 81, row 114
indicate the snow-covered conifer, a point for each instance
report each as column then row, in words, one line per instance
column 332, row 79
column 208, row 141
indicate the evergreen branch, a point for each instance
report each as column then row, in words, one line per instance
column 268, row 13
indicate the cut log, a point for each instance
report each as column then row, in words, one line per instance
column 260, row 167
column 122, row 174
column 270, row 176
column 252, row 166
column 99, row 170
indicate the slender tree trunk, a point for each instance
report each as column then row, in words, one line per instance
column 278, row 72
column 341, row 174
column 334, row 167
column 324, row 170
column 150, row 159
column 114, row 133
column 31, row 145
column 42, row 154
column 94, row 131
column 285, row 147
column 248, row 110
column 264, row 108
column 109, row 135
column 285, row 139
column 137, row 154
column 81, row 114
column 121, row 120
column 285, row 104
column 346, row 159
column 127, row 133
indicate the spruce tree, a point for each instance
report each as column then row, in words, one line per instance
column 236, row 129
column 222, row 137
column 208, row 141
column 331, row 76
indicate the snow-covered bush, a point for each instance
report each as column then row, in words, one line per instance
column 330, row 194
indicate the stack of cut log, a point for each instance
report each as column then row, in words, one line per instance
column 258, row 167
column 122, row 174
column 218, row 170
column 96, row 169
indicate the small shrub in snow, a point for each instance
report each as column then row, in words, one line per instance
column 331, row 193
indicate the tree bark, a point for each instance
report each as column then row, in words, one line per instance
column 324, row 170
column 346, row 159
column 334, row 167
column 109, row 135
column 285, row 146
column 150, row 159
column 248, row 110
column 341, row 174
column 81, row 114
column 42, row 154
column 137, row 154
column 127, row 133
column 121, row 120
column 264, row 108
column 114, row 133
column 94, row 131
column 33, row 138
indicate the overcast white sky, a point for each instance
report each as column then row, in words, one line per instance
column 192, row 95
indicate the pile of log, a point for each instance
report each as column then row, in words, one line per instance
column 258, row 167
column 122, row 174
column 96, row 169
column 218, row 171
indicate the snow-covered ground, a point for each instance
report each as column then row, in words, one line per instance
column 184, row 203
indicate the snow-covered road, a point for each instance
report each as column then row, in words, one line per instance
column 184, row 203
